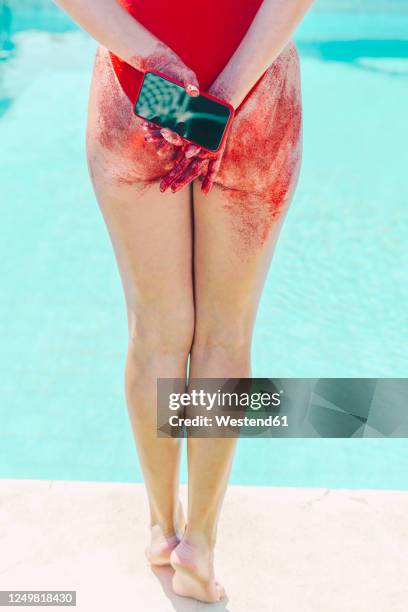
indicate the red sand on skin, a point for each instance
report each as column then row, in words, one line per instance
column 261, row 161
column 127, row 158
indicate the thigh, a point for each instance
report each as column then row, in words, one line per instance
column 238, row 223
column 151, row 232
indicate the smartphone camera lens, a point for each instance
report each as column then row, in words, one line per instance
column 181, row 128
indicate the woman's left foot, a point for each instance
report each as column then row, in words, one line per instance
column 161, row 546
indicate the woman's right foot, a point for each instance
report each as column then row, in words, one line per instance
column 194, row 572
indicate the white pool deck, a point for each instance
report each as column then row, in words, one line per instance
column 303, row 550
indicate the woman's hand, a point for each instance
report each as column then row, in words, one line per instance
column 193, row 162
column 268, row 34
column 163, row 59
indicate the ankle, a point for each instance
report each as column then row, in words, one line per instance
column 164, row 531
column 169, row 526
column 166, row 528
column 204, row 540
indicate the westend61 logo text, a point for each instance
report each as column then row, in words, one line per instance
column 204, row 399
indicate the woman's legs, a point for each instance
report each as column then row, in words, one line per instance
column 236, row 229
column 229, row 276
column 151, row 237
column 151, row 234
column 235, row 233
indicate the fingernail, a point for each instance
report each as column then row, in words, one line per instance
column 192, row 150
column 167, row 134
column 192, row 90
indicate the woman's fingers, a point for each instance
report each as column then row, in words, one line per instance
column 212, row 171
column 173, row 66
column 187, row 169
column 172, row 137
column 148, row 125
column 164, row 148
column 155, row 133
column 180, row 166
column 152, row 132
column 190, row 161
column 191, row 172
column 190, row 82
column 153, row 136
column 192, row 150
column 187, row 166
column 165, row 138
column 192, row 90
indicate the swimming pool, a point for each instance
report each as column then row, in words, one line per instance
column 335, row 300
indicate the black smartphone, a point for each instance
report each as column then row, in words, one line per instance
column 203, row 120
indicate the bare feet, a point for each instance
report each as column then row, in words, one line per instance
column 194, row 572
column 162, row 544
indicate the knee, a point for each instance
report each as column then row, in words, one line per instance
column 221, row 354
column 230, row 336
column 159, row 333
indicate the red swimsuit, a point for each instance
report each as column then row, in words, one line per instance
column 204, row 34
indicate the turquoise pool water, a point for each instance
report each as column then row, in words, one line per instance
column 335, row 303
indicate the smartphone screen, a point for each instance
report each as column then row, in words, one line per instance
column 201, row 120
